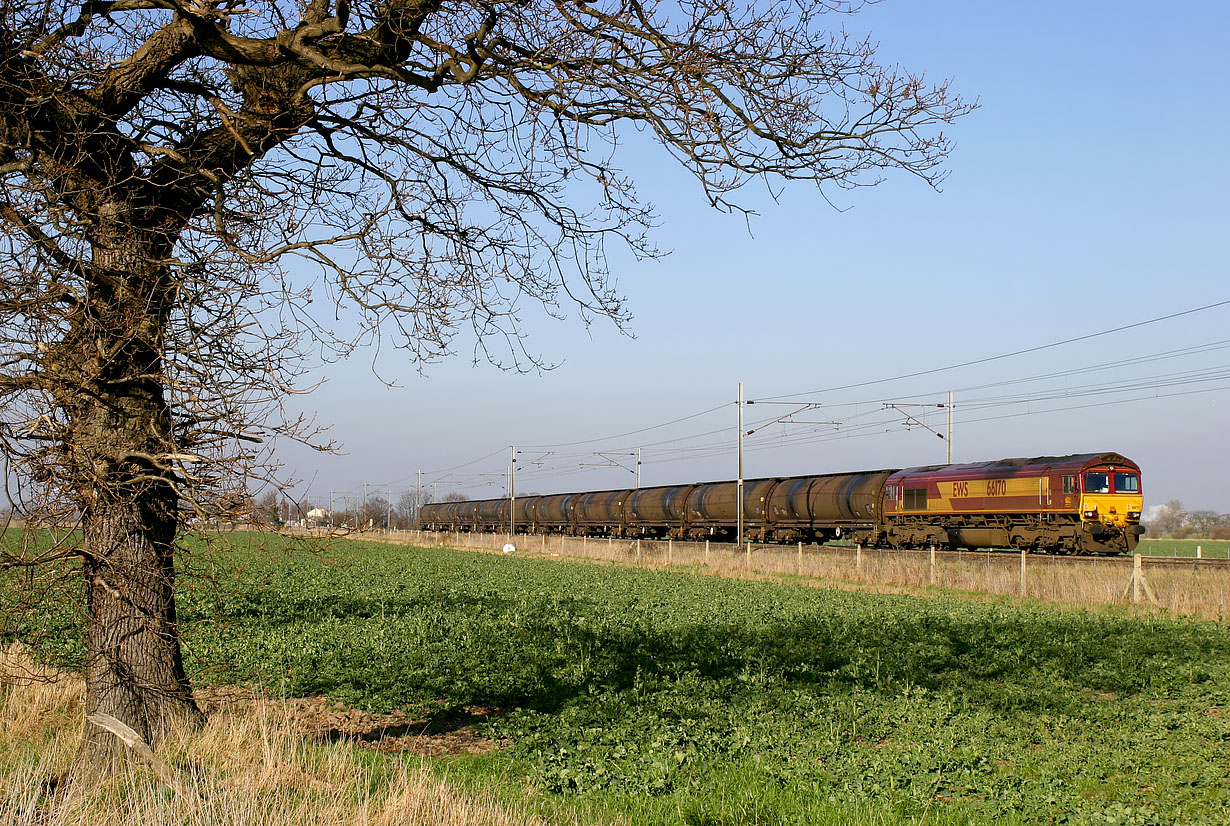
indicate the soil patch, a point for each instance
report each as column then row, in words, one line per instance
column 330, row 721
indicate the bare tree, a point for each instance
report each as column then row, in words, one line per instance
column 1167, row 519
column 408, row 505
column 185, row 181
column 374, row 513
column 268, row 513
column 1204, row 521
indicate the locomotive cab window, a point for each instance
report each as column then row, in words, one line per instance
column 1097, row 481
column 1127, row 483
column 915, row 499
column 1069, row 484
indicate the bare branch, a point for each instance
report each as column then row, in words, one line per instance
column 439, row 167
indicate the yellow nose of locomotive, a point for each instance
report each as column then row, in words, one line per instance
column 1119, row 510
column 1111, row 496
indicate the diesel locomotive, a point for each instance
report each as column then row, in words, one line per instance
column 1088, row 503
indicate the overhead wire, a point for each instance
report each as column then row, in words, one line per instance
column 684, row 447
column 1012, row 354
column 890, row 422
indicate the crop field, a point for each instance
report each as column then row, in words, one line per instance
column 1196, row 590
column 620, row 695
column 1209, row 548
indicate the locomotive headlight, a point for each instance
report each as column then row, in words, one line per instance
column 1133, row 514
column 1091, row 514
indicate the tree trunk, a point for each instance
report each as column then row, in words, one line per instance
column 127, row 489
column 134, row 665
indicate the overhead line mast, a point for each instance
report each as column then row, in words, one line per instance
column 949, row 439
column 739, row 486
column 739, row 403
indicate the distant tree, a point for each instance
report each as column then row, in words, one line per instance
column 1167, row 519
column 455, row 496
column 408, row 504
column 345, row 518
column 267, row 512
column 1203, row 522
column 374, row 514
column 438, row 165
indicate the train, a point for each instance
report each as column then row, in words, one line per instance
column 1087, row 503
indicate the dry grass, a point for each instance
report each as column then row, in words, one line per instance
column 245, row 768
column 1186, row 590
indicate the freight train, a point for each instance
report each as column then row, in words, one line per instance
column 1087, row 503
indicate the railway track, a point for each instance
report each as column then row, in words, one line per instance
column 1185, row 560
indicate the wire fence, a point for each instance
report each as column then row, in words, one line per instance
column 1192, row 588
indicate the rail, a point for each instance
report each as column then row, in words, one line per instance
column 1191, row 561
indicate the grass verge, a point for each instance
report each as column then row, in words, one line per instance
column 247, row 767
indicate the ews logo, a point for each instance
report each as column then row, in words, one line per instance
column 993, row 487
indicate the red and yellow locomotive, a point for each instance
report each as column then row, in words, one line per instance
column 1087, row 503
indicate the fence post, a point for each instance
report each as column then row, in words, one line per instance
column 800, row 559
column 670, row 551
column 1024, row 555
column 1138, row 582
column 932, row 574
column 706, row 553
column 638, row 549
column 1199, row 555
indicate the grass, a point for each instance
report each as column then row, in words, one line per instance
column 661, row 697
column 1210, row 548
column 246, row 768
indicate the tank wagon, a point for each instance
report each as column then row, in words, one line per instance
column 1083, row 503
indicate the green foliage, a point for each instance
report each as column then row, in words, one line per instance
column 670, row 698
column 42, row 605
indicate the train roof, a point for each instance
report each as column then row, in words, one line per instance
column 1012, row 467
column 748, row 481
column 1005, row 467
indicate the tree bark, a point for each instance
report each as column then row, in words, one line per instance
column 134, row 666
column 120, row 427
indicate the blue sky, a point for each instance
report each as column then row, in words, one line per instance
column 1087, row 193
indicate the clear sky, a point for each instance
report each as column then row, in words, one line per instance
column 1088, row 193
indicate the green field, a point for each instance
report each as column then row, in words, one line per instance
column 653, row 697
column 1210, row 548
